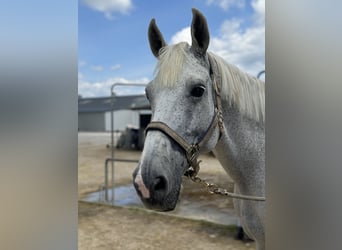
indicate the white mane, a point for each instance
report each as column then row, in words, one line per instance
column 246, row 92
column 241, row 89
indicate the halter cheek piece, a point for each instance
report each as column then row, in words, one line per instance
column 192, row 151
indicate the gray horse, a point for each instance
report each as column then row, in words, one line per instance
column 200, row 103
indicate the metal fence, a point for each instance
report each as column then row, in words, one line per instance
column 112, row 160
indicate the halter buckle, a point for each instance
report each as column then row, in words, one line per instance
column 192, row 154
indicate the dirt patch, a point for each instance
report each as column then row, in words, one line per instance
column 107, row 227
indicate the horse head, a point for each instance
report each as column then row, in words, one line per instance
column 183, row 98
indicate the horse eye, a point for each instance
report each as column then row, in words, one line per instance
column 197, row 91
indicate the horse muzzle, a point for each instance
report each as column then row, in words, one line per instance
column 155, row 190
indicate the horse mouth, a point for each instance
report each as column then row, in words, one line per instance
column 158, row 202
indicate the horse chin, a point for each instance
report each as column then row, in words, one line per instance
column 169, row 203
column 159, row 207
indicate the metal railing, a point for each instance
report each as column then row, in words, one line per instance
column 113, row 159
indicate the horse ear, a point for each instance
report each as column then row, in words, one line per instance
column 155, row 38
column 199, row 32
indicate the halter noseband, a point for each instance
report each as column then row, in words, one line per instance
column 192, row 151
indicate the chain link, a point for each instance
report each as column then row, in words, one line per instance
column 215, row 189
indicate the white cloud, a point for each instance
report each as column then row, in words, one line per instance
column 102, row 88
column 259, row 8
column 110, row 6
column 97, row 68
column 115, row 67
column 244, row 48
column 227, row 4
column 183, row 35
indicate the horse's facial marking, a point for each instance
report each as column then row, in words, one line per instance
column 141, row 185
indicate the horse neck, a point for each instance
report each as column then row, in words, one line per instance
column 241, row 150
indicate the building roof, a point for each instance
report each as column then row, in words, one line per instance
column 103, row 104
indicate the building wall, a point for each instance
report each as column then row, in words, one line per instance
column 100, row 121
column 91, row 121
column 123, row 118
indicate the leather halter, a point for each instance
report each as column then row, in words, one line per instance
column 192, row 151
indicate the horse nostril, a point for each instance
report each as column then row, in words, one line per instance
column 160, row 183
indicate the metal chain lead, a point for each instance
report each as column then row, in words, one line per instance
column 214, row 189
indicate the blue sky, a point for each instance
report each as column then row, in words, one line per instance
column 113, row 44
